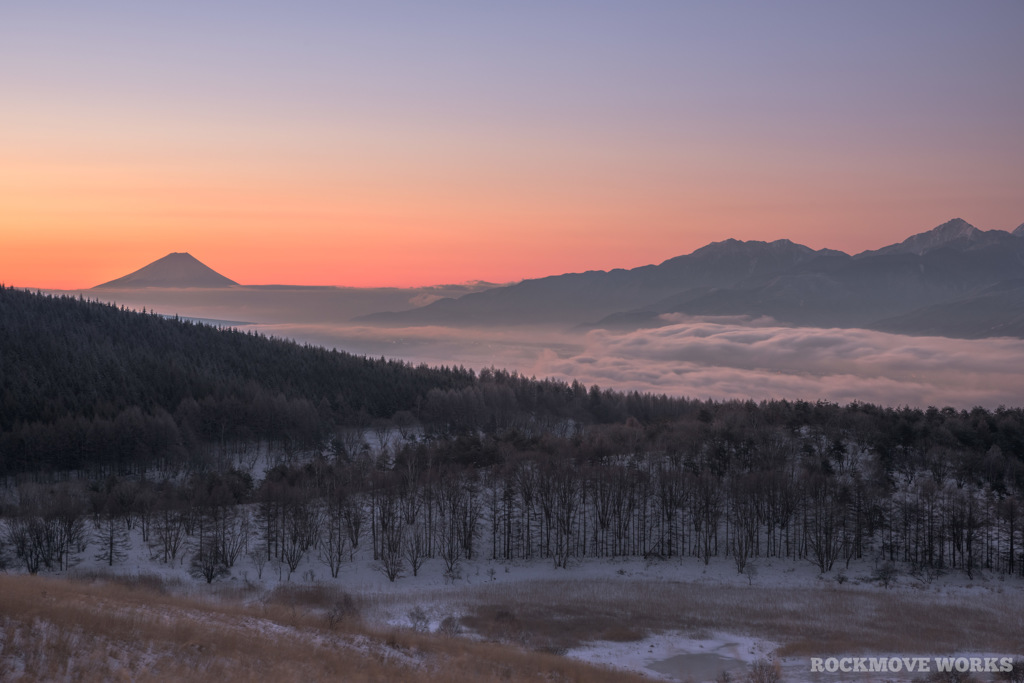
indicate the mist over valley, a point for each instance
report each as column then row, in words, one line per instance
column 936, row 319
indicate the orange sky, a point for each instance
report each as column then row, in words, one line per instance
column 424, row 150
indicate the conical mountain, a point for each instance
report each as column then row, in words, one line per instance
column 174, row 270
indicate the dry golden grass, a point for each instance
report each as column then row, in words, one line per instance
column 55, row 630
column 138, row 628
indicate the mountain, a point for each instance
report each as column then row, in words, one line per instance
column 957, row 233
column 181, row 270
column 923, row 285
column 995, row 312
column 579, row 298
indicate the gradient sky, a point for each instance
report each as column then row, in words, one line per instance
column 386, row 143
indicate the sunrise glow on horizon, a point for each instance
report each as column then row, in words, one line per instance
column 401, row 144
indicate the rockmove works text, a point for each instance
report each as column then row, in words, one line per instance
column 911, row 664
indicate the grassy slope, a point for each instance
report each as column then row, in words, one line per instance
column 144, row 629
column 54, row 629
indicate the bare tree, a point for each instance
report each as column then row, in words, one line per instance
column 293, row 547
column 392, row 562
column 567, row 501
column 824, row 535
column 232, row 528
column 334, row 544
column 208, row 564
column 449, row 548
column 25, row 535
column 415, row 547
column 64, row 512
column 112, row 538
column 743, row 520
column 259, row 556
column 707, row 511
column 168, row 533
column 406, row 424
column 382, row 430
column 353, row 515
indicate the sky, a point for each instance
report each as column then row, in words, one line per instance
column 409, row 143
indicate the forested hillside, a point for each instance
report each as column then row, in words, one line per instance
column 159, row 419
column 85, row 384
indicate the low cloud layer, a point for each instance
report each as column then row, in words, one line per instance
column 718, row 359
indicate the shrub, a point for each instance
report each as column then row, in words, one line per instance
column 343, row 608
column 886, row 574
column 764, row 671
column 419, row 620
column 450, row 626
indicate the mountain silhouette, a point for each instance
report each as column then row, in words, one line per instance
column 956, row 233
column 577, row 298
column 174, row 270
column 925, row 284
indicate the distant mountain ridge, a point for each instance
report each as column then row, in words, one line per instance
column 953, row 280
column 954, row 233
column 174, row 270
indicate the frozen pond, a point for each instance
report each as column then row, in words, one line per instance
column 699, row 666
column 681, row 656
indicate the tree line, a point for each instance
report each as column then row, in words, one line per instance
column 725, row 485
column 159, row 422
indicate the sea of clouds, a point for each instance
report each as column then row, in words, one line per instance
column 718, row 358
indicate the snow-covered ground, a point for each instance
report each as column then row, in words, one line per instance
column 678, row 656
column 695, row 654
